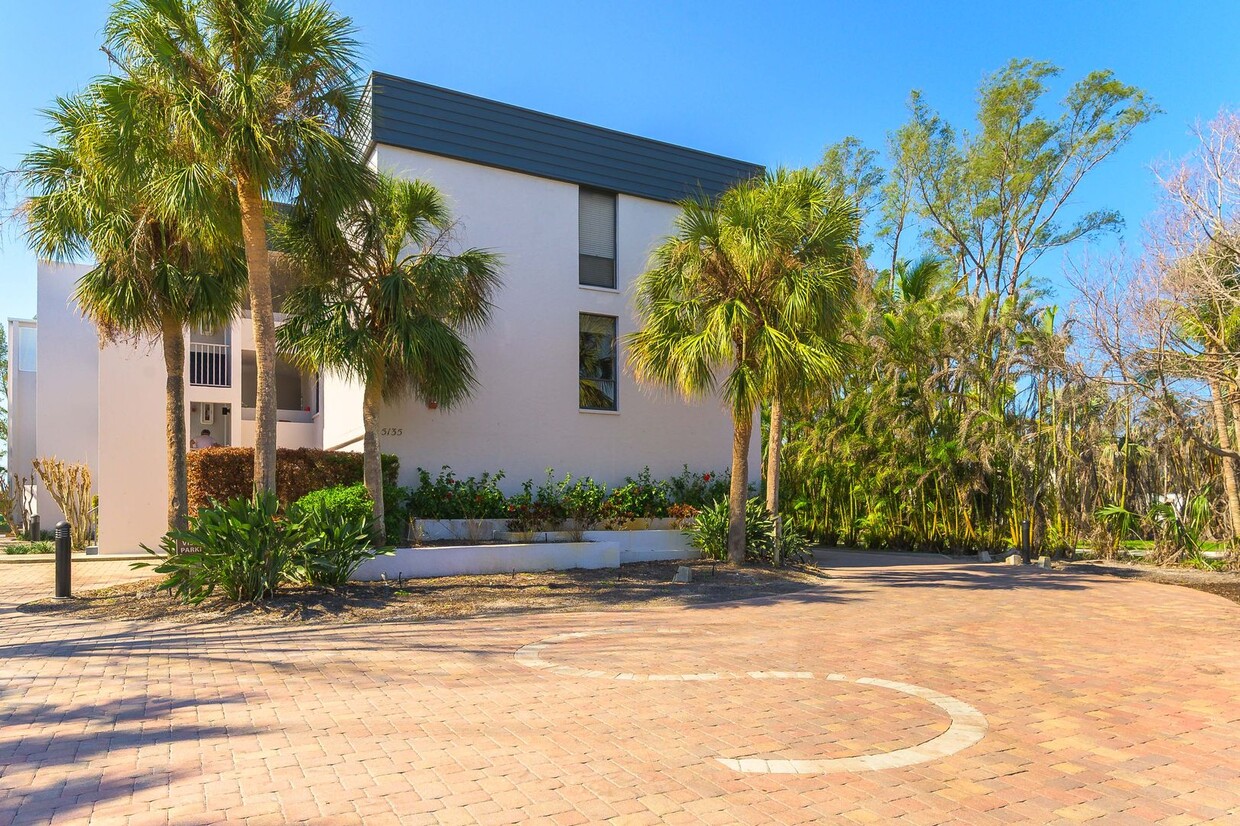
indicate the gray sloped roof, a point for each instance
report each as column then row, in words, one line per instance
column 413, row 115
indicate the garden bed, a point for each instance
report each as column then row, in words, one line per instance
column 640, row 585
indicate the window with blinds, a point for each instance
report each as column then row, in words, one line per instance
column 596, row 351
column 596, row 228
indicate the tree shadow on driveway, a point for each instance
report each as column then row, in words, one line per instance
column 62, row 745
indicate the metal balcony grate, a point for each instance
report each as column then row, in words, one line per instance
column 210, row 365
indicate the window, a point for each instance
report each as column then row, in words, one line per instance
column 597, row 359
column 27, row 349
column 596, row 235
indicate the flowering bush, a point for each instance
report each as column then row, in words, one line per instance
column 525, row 513
column 699, row 490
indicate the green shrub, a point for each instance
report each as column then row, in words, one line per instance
column 582, row 502
column 349, row 501
column 640, row 498
column 20, row 548
column 795, row 546
column 446, row 497
column 222, row 474
column 241, row 547
column 332, row 538
column 395, row 512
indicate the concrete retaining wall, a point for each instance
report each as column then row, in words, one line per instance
column 604, row 549
column 454, row 560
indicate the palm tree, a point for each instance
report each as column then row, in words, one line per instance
column 744, row 289
column 386, row 304
column 818, row 234
column 154, row 273
column 266, row 92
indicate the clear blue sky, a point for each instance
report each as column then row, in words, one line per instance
column 769, row 82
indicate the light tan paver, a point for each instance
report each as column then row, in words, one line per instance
column 1103, row 699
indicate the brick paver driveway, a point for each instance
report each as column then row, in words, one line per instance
column 1094, row 698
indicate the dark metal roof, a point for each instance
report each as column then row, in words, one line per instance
column 439, row 121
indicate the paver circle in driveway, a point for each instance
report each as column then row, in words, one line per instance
column 1109, row 700
column 968, row 725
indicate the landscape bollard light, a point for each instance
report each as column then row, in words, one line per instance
column 1026, row 542
column 32, row 529
column 64, row 545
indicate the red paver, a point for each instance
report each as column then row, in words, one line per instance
column 1106, row 700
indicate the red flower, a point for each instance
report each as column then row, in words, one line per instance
column 705, row 477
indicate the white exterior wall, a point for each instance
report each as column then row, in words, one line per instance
column 21, row 389
column 133, row 477
column 524, row 416
column 66, row 402
column 342, row 414
column 133, row 468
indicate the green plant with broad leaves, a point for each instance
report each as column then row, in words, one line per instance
column 709, row 534
column 1179, row 529
column 241, row 548
column 246, row 548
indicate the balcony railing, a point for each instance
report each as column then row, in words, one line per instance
column 210, row 365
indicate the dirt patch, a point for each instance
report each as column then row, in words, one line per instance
column 1225, row 584
column 639, row 585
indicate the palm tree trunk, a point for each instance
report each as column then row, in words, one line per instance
column 372, row 463
column 742, row 431
column 173, row 338
column 1228, row 464
column 262, row 316
column 774, row 448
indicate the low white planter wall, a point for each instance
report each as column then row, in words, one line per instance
column 464, row 530
column 635, row 546
column 663, row 540
column 454, row 560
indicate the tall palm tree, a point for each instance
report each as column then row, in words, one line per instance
column 734, row 293
column 815, row 243
column 385, row 303
column 267, row 92
column 155, row 273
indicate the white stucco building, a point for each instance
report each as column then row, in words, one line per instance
column 575, row 211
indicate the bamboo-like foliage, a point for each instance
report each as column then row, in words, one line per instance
column 962, row 419
column 969, row 407
column 69, row 485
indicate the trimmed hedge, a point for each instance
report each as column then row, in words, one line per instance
column 224, row 473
